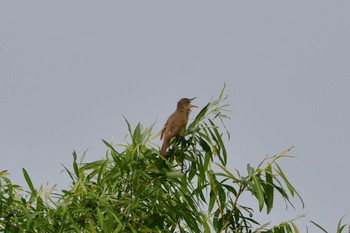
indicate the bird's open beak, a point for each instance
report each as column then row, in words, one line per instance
column 193, row 106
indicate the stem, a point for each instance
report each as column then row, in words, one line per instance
column 216, row 198
column 240, row 191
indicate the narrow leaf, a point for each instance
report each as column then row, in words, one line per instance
column 202, row 113
column 136, row 137
column 259, row 192
column 198, row 118
column 222, row 91
column 204, row 145
column 341, row 227
column 75, row 165
column 296, row 230
column 269, row 190
column 29, row 181
column 319, row 226
column 128, row 124
column 289, row 185
column 221, row 143
column 174, row 174
column 228, row 173
column 206, row 161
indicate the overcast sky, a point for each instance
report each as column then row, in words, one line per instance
column 69, row 70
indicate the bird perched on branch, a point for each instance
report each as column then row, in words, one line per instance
column 176, row 123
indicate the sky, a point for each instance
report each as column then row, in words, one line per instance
column 70, row 71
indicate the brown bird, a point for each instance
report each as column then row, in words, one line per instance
column 176, row 123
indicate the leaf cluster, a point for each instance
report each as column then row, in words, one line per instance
column 134, row 189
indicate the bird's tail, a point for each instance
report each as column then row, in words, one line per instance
column 164, row 147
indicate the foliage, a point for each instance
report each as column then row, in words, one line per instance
column 133, row 189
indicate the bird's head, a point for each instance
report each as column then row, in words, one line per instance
column 186, row 103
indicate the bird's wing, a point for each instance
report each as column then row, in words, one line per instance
column 174, row 128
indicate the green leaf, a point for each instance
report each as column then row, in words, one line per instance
column 222, row 91
column 221, row 193
column 259, row 192
column 228, row 173
column 29, row 182
column 108, row 145
column 207, row 159
column 230, row 189
column 136, row 137
column 202, row 113
column 288, row 228
column 193, row 126
column 262, row 227
column 75, row 165
column 205, row 223
column 39, row 204
column 69, row 173
column 319, row 226
column 204, row 145
column 174, row 174
column 290, row 187
column 101, row 172
column 269, row 190
column 212, row 197
column 128, row 124
column 3, row 173
column 341, row 227
column 250, row 170
column 218, row 139
column 216, row 221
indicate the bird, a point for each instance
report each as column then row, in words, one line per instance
column 176, row 122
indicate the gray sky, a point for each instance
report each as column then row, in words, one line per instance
column 69, row 70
